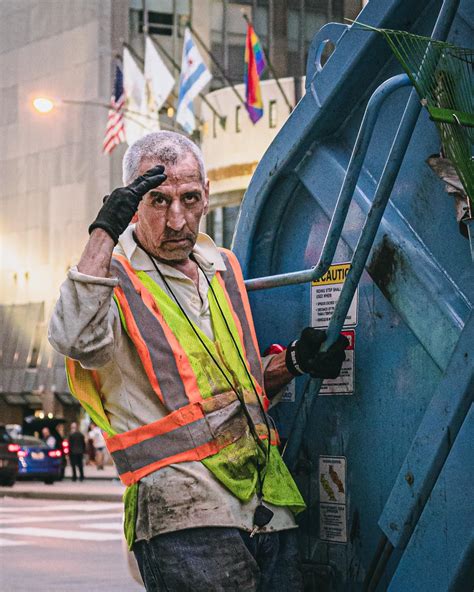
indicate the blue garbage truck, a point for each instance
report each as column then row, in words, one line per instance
column 347, row 227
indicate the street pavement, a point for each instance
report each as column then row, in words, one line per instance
column 62, row 546
column 64, row 537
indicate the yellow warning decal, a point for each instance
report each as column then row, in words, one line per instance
column 336, row 274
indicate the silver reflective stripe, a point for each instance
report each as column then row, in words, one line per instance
column 226, row 421
column 233, row 290
column 161, row 354
column 256, row 413
column 163, row 446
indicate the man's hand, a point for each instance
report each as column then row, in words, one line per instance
column 120, row 207
column 304, row 356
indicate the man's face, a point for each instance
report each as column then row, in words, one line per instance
column 169, row 216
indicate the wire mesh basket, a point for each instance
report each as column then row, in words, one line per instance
column 443, row 76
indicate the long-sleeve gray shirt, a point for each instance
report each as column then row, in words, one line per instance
column 86, row 326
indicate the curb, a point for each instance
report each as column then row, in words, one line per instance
column 89, row 478
column 61, row 495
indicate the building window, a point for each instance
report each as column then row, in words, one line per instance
column 272, row 114
column 227, row 38
column 159, row 23
column 238, row 109
column 221, row 223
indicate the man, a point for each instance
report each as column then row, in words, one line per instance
column 77, row 447
column 48, row 438
column 163, row 356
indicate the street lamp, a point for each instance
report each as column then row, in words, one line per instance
column 45, row 105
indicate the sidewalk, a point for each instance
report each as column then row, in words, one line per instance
column 91, row 472
column 97, row 486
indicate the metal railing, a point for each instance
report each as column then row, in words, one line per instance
column 346, row 193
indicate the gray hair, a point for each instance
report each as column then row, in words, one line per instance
column 166, row 147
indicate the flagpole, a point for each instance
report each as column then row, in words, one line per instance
column 270, row 67
column 216, row 63
column 128, row 113
column 222, row 118
column 141, row 62
column 131, row 112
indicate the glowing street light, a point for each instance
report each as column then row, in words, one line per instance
column 43, row 104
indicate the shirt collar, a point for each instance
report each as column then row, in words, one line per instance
column 206, row 252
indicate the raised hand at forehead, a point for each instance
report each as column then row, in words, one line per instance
column 148, row 181
column 120, row 206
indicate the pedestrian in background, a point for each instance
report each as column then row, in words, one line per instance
column 98, row 443
column 90, row 450
column 48, row 438
column 77, row 447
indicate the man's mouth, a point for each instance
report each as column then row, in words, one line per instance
column 177, row 241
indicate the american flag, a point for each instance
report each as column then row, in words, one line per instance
column 115, row 130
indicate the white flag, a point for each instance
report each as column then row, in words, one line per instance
column 194, row 77
column 158, row 79
column 136, row 122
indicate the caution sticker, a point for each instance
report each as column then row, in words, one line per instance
column 332, row 479
column 332, row 499
column 332, row 523
column 325, row 294
column 344, row 383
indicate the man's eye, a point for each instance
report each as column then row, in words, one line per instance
column 191, row 198
column 158, row 200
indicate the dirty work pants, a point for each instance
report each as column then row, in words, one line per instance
column 220, row 559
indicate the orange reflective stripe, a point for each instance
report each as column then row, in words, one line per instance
column 240, row 331
column 172, row 421
column 232, row 259
column 186, row 376
column 199, row 453
column 241, row 300
column 138, row 341
column 83, row 385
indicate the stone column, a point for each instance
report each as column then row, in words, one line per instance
column 278, row 36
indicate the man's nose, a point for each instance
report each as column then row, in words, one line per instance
column 175, row 218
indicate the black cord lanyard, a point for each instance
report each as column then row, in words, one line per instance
column 264, row 516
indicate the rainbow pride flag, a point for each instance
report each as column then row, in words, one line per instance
column 254, row 66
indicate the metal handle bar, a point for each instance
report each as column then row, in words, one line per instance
column 345, row 195
column 366, row 239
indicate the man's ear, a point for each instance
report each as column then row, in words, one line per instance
column 206, row 197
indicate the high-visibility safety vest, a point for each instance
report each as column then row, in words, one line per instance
column 205, row 421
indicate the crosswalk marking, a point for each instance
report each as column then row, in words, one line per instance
column 63, row 518
column 104, row 526
column 11, row 543
column 62, row 534
column 87, row 521
column 83, row 507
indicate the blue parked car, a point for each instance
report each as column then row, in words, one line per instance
column 37, row 461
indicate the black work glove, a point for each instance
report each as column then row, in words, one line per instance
column 303, row 355
column 121, row 205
